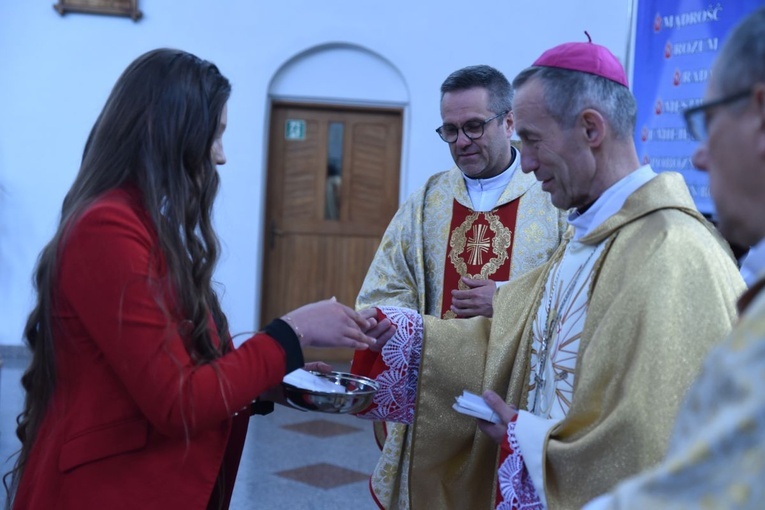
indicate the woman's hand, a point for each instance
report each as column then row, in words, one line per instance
column 506, row 413
column 318, row 366
column 330, row 324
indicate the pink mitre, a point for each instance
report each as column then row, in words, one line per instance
column 585, row 57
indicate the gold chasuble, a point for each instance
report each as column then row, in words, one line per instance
column 434, row 239
column 662, row 293
column 719, row 436
column 480, row 247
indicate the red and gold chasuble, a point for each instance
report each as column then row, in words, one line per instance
column 480, row 247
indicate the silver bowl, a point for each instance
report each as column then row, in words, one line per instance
column 358, row 394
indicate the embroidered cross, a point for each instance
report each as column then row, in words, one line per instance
column 478, row 244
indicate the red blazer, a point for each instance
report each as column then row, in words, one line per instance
column 133, row 423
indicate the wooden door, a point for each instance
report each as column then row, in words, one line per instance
column 333, row 185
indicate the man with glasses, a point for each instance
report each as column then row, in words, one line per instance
column 453, row 241
column 716, row 456
column 595, row 348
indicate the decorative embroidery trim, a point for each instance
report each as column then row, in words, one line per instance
column 394, row 400
column 562, row 312
column 515, row 485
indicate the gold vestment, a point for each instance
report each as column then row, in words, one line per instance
column 662, row 295
column 408, row 271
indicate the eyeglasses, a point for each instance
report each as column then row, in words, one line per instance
column 473, row 129
column 697, row 118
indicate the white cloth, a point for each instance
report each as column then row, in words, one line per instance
column 306, row 380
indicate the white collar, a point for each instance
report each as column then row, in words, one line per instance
column 498, row 181
column 484, row 193
column 753, row 264
column 609, row 202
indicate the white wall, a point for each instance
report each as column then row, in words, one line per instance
column 56, row 72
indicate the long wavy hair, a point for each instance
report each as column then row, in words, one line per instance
column 155, row 133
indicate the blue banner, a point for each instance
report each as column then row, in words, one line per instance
column 676, row 42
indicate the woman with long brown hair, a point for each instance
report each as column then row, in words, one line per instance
column 135, row 395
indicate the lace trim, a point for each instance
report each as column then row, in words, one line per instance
column 515, row 485
column 395, row 399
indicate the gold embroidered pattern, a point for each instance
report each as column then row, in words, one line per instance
column 479, row 243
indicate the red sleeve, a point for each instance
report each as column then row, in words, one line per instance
column 113, row 295
column 504, row 452
column 505, row 449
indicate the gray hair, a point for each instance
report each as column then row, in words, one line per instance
column 499, row 88
column 741, row 62
column 567, row 93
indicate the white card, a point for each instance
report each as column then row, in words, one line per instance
column 474, row 405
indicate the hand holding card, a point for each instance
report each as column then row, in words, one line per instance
column 474, row 405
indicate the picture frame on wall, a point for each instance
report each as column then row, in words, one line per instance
column 128, row 8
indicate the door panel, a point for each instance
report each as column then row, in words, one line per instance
column 332, row 189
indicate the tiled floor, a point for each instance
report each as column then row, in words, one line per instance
column 291, row 460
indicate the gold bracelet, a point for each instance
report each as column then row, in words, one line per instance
column 294, row 327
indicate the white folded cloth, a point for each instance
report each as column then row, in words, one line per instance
column 306, row 380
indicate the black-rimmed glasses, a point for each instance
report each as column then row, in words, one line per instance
column 697, row 118
column 473, row 129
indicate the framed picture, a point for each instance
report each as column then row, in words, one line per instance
column 127, row 8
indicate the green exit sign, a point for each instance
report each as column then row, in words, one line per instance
column 294, row 129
